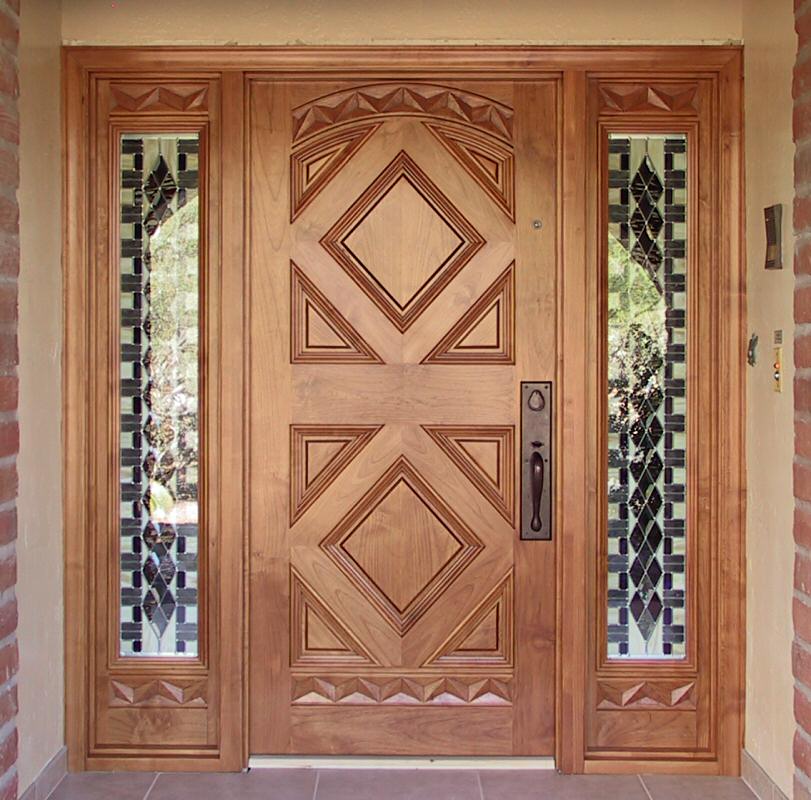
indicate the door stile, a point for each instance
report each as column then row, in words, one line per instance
column 575, row 370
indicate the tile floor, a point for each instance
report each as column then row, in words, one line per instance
column 352, row 784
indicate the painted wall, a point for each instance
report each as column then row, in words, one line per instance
column 363, row 22
column 39, row 545
column 771, row 45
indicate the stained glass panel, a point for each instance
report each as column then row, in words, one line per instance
column 159, row 415
column 647, row 317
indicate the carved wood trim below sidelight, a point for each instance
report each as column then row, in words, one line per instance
column 130, row 97
column 635, row 97
column 161, row 693
column 421, row 99
column 647, row 695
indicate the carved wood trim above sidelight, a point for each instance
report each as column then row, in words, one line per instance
column 647, row 695
column 129, row 97
column 635, row 97
column 393, row 690
column 152, row 692
column 421, row 99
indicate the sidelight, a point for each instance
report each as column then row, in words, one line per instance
column 159, row 393
column 646, row 347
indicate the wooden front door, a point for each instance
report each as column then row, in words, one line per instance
column 402, row 260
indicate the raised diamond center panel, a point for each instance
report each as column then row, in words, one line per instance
column 401, row 545
column 402, row 242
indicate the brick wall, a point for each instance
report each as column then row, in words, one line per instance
column 9, row 434
column 802, row 403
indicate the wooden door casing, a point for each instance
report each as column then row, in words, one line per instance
column 596, row 87
column 400, row 293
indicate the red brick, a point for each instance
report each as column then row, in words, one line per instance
column 802, row 527
column 802, row 120
column 802, row 76
column 8, row 485
column 802, row 573
column 8, row 527
column 802, row 481
column 802, row 296
column 9, row 260
column 801, row 663
column 10, row 790
column 800, row 792
column 802, row 753
column 9, row 391
column 802, row 391
column 9, row 662
column 9, row 355
column 8, row 752
column 8, row 619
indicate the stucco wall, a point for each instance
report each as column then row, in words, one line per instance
column 39, row 589
column 770, row 48
column 361, row 21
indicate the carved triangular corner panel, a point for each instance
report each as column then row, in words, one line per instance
column 485, row 334
column 319, row 333
column 313, row 166
column 485, row 454
column 316, row 636
column 318, row 454
column 485, row 638
column 487, row 159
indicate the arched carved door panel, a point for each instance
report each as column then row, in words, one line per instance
column 396, row 275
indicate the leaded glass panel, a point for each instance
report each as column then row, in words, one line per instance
column 647, row 349
column 159, row 392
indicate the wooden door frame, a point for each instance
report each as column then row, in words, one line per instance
column 634, row 83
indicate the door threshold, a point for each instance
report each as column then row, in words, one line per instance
column 402, row 762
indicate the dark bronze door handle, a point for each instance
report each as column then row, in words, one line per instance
column 536, row 482
column 537, row 460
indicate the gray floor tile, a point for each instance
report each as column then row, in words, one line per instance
column 548, row 785
column 104, row 786
column 426, row 784
column 258, row 784
column 694, row 787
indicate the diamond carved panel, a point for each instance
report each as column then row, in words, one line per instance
column 401, row 521
column 402, row 241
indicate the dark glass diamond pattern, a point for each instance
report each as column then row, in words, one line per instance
column 641, row 395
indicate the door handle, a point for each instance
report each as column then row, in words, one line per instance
column 537, row 465
column 536, row 485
